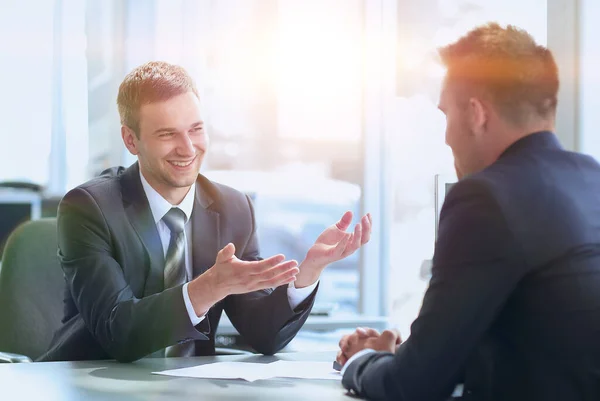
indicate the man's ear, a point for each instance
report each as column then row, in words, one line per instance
column 129, row 139
column 479, row 116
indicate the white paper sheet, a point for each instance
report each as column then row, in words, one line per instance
column 256, row 371
column 305, row 370
column 223, row 370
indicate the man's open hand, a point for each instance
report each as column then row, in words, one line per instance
column 230, row 275
column 332, row 245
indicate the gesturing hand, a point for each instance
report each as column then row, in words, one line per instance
column 332, row 245
column 230, row 275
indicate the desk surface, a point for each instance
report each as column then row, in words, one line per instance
column 110, row 380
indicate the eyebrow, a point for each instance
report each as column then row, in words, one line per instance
column 161, row 130
column 170, row 129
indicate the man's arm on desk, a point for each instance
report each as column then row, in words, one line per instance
column 476, row 266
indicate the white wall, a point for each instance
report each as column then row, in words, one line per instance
column 26, row 56
column 74, row 93
column 563, row 42
column 43, row 80
column 589, row 79
column 573, row 33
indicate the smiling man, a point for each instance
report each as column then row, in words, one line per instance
column 154, row 253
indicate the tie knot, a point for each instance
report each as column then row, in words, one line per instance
column 175, row 220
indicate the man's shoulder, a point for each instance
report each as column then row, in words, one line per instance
column 500, row 187
column 478, row 183
column 534, row 174
column 223, row 196
column 522, row 186
column 494, row 188
column 104, row 186
column 506, row 176
column 220, row 189
column 105, row 179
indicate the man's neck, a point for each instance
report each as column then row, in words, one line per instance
column 172, row 195
column 512, row 135
column 175, row 196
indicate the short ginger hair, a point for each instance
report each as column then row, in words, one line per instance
column 518, row 76
column 151, row 82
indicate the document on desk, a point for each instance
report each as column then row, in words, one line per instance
column 223, row 370
column 257, row 371
column 305, row 370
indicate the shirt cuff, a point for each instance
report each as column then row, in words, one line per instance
column 297, row 295
column 355, row 357
column 190, row 308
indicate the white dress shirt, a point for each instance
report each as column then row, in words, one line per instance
column 354, row 358
column 159, row 206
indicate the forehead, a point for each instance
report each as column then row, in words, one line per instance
column 444, row 93
column 177, row 110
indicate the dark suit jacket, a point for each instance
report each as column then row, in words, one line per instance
column 115, row 302
column 513, row 306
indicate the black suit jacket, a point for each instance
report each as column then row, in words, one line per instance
column 115, row 303
column 513, row 306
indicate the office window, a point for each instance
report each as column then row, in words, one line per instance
column 281, row 87
column 44, row 107
column 416, row 128
column 26, row 56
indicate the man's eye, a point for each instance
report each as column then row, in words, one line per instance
column 166, row 134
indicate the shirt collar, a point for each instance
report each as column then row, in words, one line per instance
column 160, row 206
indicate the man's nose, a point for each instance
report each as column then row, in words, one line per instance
column 186, row 145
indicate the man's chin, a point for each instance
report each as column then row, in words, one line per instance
column 183, row 182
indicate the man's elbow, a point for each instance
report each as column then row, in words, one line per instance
column 126, row 357
column 118, row 345
column 268, row 351
column 267, row 347
column 124, row 353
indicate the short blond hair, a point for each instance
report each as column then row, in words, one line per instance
column 519, row 76
column 152, row 82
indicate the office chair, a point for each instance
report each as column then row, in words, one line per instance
column 31, row 288
column 31, row 293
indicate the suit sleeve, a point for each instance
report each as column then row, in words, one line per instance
column 265, row 318
column 128, row 328
column 477, row 264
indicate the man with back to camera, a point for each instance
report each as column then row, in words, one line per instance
column 513, row 305
column 138, row 245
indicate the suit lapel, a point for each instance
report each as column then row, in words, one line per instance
column 206, row 234
column 138, row 212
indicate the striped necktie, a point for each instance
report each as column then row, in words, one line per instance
column 175, row 272
column 175, row 260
